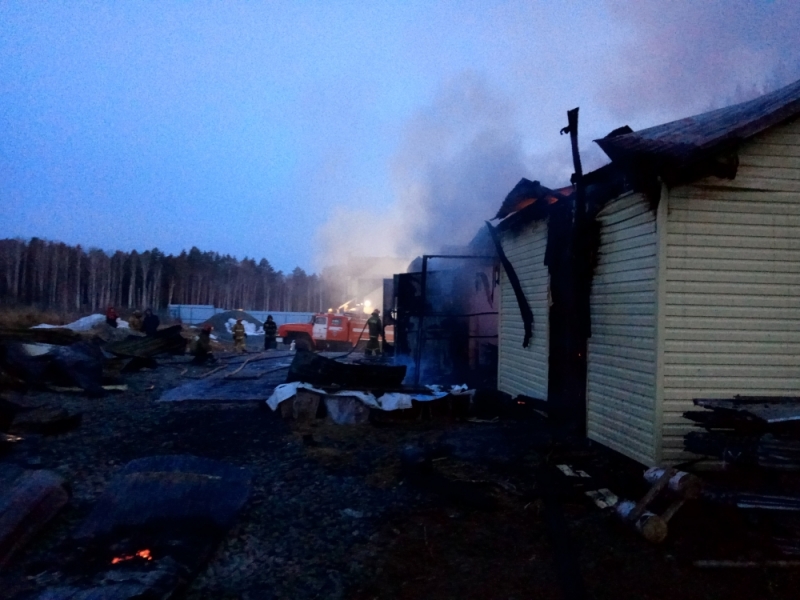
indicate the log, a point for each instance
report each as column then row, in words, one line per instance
column 28, row 501
column 681, row 483
column 652, row 527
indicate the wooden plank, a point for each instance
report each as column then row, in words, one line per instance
column 638, row 302
column 642, row 389
column 742, row 230
column 606, row 309
column 621, row 214
column 640, row 354
column 622, row 276
column 724, row 323
column 727, row 205
column 604, row 286
column 709, row 335
column 716, row 252
column 620, row 203
column 611, row 395
column 768, row 371
column 606, row 258
column 779, row 161
column 601, row 337
column 753, row 349
column 747, row 219
column 745, row 301
column 639, row 232
column 731, row 288
column 612, row 361
column 617, row 369
column 624, row 331
column 772, row 149
column 786, row 282
column 734, row 385
column 784, row 313
column 628, row 320
column 643, row 219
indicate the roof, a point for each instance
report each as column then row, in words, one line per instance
column 527, row 192
column 679, row 144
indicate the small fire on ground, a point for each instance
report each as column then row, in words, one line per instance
column 145, row 554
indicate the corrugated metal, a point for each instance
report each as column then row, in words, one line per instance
column 524, row 370
column 732, row 303
column 621, row 355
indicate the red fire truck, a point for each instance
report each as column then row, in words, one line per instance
column 331, row 331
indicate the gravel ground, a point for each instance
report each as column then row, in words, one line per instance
column 337, row 518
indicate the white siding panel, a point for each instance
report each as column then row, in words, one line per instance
column 620, row 392
column 732, row 304
column 525, row 370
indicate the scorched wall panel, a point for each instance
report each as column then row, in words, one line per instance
column 525, row 370
column 621, row 354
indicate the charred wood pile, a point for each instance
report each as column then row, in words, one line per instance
column 64, row 360
column 757, row 439
column 157, row 523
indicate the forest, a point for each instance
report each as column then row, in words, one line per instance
column 52, row 275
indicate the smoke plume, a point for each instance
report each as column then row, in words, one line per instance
column 687, row 57
column 456, row 161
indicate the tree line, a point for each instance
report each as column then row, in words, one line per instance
column 53, row 275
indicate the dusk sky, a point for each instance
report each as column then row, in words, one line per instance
column 304, row 131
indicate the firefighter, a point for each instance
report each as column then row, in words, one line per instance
column 375, row 329
column 202, row 348
column 239, row 335
column 270, row 333
column 135, row 322
column 150, row 323
column 111, row 316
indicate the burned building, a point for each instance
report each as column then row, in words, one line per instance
column 696, row 293
column 445, row 314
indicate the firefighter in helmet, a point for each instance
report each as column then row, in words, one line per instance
column 239, row 335
column 375, row 330
column 270, row 332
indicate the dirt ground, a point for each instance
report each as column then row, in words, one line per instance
column 334, row 513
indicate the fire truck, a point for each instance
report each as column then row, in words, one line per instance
column 330, row 331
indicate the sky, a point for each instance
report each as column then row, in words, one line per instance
column 304, row 132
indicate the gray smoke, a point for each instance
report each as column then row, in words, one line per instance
column 456, row 161
column 686, row 57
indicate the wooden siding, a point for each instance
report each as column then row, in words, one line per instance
column 731, row 315
column 621, row 354
column 524, row 370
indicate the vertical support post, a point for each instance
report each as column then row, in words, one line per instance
column 423, row 302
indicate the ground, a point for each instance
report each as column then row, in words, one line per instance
column 334, row 514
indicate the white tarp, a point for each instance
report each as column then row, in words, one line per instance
column 288, row 390
column 249, row 328
column 387, row 402
column 83, row 324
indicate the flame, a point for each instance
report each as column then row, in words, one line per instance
column 145, row 554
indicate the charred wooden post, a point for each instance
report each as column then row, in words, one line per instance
column 420, row 335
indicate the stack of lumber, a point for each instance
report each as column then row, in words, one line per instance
column 758, row 440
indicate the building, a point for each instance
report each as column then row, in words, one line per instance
column 696, row 290
column 543, row 314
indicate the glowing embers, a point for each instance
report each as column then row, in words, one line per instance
column 141, row 554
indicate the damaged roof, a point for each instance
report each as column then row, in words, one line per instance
column 680, row 143
column 527, row 192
